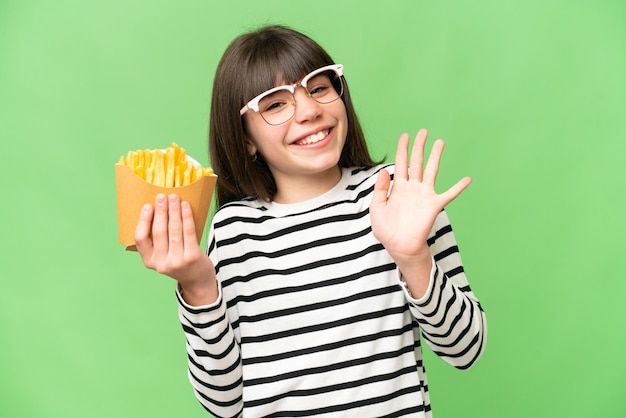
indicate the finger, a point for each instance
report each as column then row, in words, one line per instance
column 454, row 191
column 401, row 169
column 143, row 231
column 417, row 155
column 190, row 239
column 159, row 227
column 432, row 166
column 175, row 227
column 381, row 190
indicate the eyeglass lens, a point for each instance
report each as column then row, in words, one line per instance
column 279, row 106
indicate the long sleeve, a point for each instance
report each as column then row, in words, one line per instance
column 214, row 358
column 452, row 321
column 310, row 318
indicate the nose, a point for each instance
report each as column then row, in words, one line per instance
column 306, row 107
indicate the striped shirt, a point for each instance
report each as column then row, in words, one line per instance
column 313, row 318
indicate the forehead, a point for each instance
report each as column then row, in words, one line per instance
column 278, row 77
column 277, row 72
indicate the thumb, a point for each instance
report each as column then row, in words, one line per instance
column 381, row 190
column 454, row 191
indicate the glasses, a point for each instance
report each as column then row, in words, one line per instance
column 278, row 105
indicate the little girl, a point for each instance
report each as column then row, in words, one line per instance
column 325, row 271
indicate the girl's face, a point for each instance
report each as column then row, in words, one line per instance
column 302, row 153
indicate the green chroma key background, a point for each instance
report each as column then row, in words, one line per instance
column 528, row 95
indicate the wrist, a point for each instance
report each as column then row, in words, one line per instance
column 415, row 272
column 199, row 293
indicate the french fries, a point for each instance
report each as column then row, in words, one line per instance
column 171, row 167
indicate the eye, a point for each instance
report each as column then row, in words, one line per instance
column 275, row 102
column 319, row 86
column 319, row 90
column 273, row 106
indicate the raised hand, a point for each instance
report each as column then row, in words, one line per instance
column 166, row 240
column 403, row 214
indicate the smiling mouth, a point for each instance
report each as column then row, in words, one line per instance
column 312, row 139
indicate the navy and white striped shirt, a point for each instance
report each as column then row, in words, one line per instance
column 313, row 319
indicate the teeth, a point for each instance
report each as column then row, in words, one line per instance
column 311, row 139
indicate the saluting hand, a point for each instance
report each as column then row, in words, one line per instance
column 403, row 216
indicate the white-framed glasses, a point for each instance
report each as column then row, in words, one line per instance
column 278, row 105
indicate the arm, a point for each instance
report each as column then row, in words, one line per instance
column 213, row 356
column 453, row 323
column 167, row 242
column 408, row 219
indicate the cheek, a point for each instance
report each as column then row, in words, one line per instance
column 254, row 133
column 342, row 114
column 343, row 118
column 266, row 139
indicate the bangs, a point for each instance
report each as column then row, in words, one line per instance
column 276, row 62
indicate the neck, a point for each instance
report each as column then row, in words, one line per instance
column 295, row 189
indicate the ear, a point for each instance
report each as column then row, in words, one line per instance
column 252, row 149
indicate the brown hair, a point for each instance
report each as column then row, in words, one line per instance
column 251, row 64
